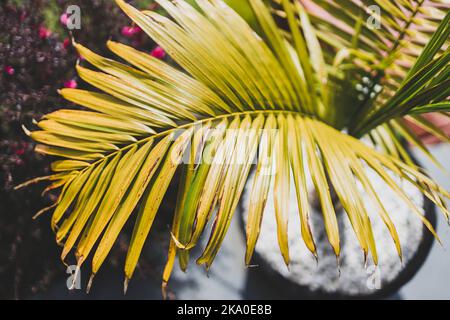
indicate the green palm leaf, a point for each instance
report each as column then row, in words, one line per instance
column 238, row 98
column 389, row 57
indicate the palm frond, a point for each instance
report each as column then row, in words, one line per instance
column 238, row 98
column 395, row 62
column 405, row 27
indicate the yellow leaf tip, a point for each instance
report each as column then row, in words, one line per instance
column 89, row 285
column 37, row 215
column 287, row 260
column 164, row 289
column 27, row 132
column 125, row 285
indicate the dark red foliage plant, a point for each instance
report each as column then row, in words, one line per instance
column 37, row 59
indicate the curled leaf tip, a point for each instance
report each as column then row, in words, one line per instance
column 27, row 132
column 42, row 211
column 63, row 260
column 177, row 242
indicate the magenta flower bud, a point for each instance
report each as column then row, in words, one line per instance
column 71, row 84
column 158, row 53
column 10, row 70
column 127, row 31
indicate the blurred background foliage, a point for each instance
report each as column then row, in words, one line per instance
column 37, row 59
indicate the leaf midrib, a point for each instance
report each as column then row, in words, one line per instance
column 186, row 126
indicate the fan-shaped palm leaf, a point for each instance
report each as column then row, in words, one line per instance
column 239, row 98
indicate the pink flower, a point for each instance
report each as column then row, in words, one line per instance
column 63, row 19
column 66, row 43
column 128, row 31
column 72, row 84
column 158, row 53
column 9, row 70
column 44, row 33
